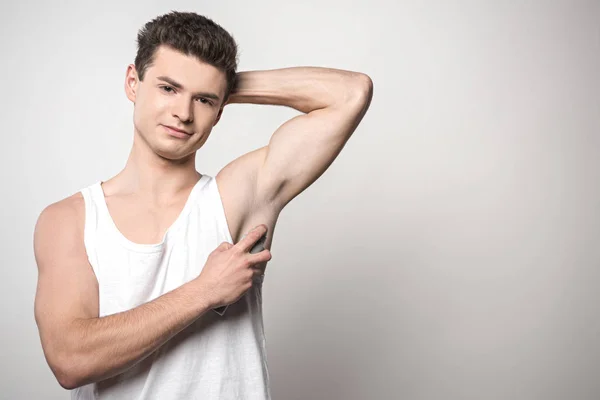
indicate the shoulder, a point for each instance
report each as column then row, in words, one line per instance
column 60, row 220
column 70, row 208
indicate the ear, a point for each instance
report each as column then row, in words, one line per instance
column 131, row 82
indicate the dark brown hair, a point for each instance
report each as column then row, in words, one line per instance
column 192, row 35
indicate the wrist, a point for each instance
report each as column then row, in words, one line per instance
column 202, row 294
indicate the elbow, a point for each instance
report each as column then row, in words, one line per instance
column 365, row 86
column 69, row 361
column 359, row 97
column 68, row 371
column 360, row 92
column 67, row 378
column 67, row 382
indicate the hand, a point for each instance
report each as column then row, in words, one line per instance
column 230, row 269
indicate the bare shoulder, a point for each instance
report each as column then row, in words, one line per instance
column 66, row 214
column 60, row 255
column 244, row 210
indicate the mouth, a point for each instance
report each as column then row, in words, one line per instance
column 172, row 128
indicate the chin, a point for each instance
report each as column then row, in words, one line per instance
column 172, row 155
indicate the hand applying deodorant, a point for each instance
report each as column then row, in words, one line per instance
column 257, row 248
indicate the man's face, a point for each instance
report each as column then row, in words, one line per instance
column 158, row 101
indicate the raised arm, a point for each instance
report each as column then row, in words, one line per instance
column 333, row 102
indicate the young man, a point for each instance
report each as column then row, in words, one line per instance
column 132, row 268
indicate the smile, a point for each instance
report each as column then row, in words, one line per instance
column 176, row 132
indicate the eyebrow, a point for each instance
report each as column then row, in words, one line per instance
column 180, row 86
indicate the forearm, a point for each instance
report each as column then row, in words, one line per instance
column 106, row 346
column 304, row 88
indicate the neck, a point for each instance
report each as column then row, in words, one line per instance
column 152, row 176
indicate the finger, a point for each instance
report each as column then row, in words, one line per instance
column 225, row 246
column 249, row 240
column 260, row 258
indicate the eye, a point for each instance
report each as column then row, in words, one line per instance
column 167, row 87
column 205, row 101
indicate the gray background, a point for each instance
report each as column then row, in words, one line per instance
column 450, row 252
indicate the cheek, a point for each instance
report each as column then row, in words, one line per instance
column 140, row 119
column 147, row 114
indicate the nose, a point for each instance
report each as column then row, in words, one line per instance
column 183, row 109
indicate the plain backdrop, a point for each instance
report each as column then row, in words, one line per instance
column 450, row 252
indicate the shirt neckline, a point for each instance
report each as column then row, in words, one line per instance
column 149, row 247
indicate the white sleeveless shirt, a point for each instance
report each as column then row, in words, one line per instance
column 216, row 357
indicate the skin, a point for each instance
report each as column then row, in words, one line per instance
column 148, row 194
column 146, row 197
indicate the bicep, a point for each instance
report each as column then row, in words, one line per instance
column 304, row 147
column 67, row 288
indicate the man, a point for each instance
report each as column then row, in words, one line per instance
column 131, row 269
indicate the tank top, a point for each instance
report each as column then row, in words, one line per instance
column 217, row 356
